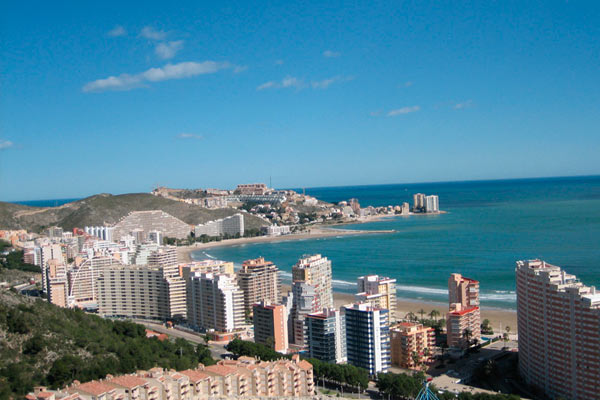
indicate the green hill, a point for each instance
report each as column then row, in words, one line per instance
column 109, row 209
column 41, row 344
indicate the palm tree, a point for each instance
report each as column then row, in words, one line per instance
column 411, row 316
column 434, row 314
column 416, row 359
column 467, row 335
column 506, row 335
column 422, row 312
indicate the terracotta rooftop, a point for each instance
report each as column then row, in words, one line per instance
column 128, row 381
column 465, row 311
column 95, row 388
column 194, row 375
column 44, row 395
column 305, row 365
column 222, row 370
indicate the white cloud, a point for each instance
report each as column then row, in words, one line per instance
column 5, row 144
column 189, row 136
column 240, row 68
column 325, row 83
column 150, row 33
column 117, row 31
column 403, row 110
column 170, row 71
column 166, row 50
column 287, row 82
column 331, row 54
column 465, row 104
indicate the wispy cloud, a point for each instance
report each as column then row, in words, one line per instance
column 189, row 136
column 292, row 82
column 403, row 110
column 170, row 71
column 5, row 144
column 325, row 83
column 464, row 104
column 239, row 68
column 117, row 31
column 287, row 82
column 331, row 54
column 149, row 32
column 278, row 62
column 166, row 50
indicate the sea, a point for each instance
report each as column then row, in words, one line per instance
column 489, row 225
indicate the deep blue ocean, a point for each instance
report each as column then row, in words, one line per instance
column 489, row 226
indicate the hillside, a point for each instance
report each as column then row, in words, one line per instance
column 41, row 344
column 106, row 208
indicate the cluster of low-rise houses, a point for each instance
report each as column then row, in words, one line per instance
column 242, row 378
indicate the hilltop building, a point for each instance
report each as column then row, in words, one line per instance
column 410, row 339
column 326, row 336
column 368, row 337
column 257, row 189
column 232, row 225
column 259, row 280
column 463, row 321
column 215, row 302
column 143, row 222
column 559, row 325
column 270, row 325
column 379, row 291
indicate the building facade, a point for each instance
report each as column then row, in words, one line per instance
column 270, row 325
column 368, row 337
column 143, row 222
column 432, row 204
column 215, row 302
column 141, row 291
column 379, row 291
column 326, row 336
column 463, row 321
column 232, row 226
column 412, row 345
column 559, row 331
column 259, row 280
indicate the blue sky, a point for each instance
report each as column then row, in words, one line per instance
column 117, row 97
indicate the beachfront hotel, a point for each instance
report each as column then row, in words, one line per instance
column 463, row 321
column 379, row 291
column 270, row 325
column 368, row 337
column 326, row 335
column 259, row 280
column 559, row 331
column 410, row 339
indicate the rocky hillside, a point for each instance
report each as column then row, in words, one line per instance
column 106, row 208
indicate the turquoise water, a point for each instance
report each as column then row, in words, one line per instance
column 489, row 225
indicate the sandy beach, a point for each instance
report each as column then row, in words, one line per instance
column 184, row 252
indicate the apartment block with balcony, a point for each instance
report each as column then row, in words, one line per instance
column 326, row 336
column 463, row 321
column 270, row 326
column 259, row 281
column 411, row 343
column 379, row 291
column 559, row 331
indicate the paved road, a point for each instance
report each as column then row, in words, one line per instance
column 217, row 349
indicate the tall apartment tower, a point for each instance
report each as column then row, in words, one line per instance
column 215, row 302
column 141, row 291
column 326, row 336
column 418, row 201
column 368, row 337
column 432, row 204
column 312, row 292
column 464, row 315
column 559, row 331
column 379, row 291
column 270, row 326
column 259, row 280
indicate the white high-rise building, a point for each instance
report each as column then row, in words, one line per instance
column 215, row 302
column 432, row 204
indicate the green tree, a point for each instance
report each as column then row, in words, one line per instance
column 434, row 314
